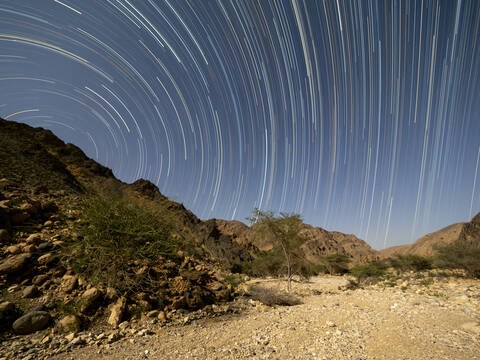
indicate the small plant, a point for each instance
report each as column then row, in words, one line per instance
column 273, row 297
column 459, row 256
column 426, row 282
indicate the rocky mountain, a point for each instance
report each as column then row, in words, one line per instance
column 320, row 242
column 466, row 233
column 37, row 159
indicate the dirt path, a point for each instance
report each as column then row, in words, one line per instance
column 439, row 321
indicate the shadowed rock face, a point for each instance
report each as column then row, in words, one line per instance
column 470, row 234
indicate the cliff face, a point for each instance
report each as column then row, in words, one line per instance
column 470, row 234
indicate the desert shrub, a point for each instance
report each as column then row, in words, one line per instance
column 459, row 256
column 272, row 297
column 336, row 263
column 115, row 234
column 272, row 263
column 374, row 269
column 410, row 262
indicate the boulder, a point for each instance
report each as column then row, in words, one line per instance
column 15, row 264
column 69, row 283
column 117, row 312
column 89, row 300
column 30, row 291
column 4, row 236
column 34, row 239
column 7, row 315
column 70, row 323
column 14, row 249
column 31, row 322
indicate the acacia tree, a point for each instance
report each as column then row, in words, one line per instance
column 284, row 232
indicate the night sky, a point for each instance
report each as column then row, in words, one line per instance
column 362, row 116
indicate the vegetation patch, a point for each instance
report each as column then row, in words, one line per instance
column 115, row 235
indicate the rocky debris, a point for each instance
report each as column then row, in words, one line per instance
column 15, row 264
column 70, row 323
column 117, row 312
column 31, row 322
column 90, row 300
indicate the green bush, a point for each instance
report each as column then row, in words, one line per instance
column 336, row 263
column 410, row 262
column 459, row 256
column 113, row 234
column 374, row 269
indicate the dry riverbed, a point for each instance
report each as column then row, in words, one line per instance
column 413, row 319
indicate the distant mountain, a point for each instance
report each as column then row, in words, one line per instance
column 465, row 233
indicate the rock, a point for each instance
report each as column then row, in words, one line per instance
column 45, row 246
column 117, row 312
column 30, row 291
column 14, row 249
column 162, row 316
column 111, row 294
column 34, row 239
column 4, row 236
column 7, row 314
column 69, row 283
column 39, row 279
column 70, row 323
column 47, row 259
column 89, row 300
column 15, row 264
column 31, row 322
column 70, row 337
column 30, row 248
column 153, row 313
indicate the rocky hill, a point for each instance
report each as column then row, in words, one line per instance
column 319, row 242
column 466, row 233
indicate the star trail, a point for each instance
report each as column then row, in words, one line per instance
column 362, row 116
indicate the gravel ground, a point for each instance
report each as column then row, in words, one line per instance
column 406, row 321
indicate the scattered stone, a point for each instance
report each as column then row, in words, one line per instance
column 117, row 312
column 69, row 283
column 4, row 236
column 70, row 337
column 45, row 246
column 153, row 313
column 15, row 264
column 14, row 249
column 34, row 239
column 31, row 322
column 162, row 316
column 89, row 300
column 39, row 279
column 70, row 323
column 30, row 291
